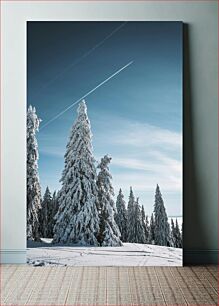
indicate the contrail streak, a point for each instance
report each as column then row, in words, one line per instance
column 87, row 94
column 78, row 60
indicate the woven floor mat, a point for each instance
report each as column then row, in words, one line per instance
column 26, row 285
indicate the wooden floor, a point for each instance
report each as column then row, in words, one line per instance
column 26, row 285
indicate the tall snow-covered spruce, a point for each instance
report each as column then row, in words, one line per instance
column 109, row 234
column 77, row 219
column 162, row 228
column 33, row 183
column 121, row 215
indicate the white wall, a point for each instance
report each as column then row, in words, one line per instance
column 202, row 19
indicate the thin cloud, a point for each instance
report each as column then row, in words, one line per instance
column 144, row 135
column 143, row 155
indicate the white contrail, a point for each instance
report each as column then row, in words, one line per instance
column 78, row 60
column 87, row 94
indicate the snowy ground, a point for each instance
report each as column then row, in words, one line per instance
column 130, row 254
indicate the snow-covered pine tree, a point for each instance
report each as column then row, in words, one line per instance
column 52, row 211
column 131, row 217
column 45, row 213
column 77, row 219
column 172, row 236
column 109, row 234
column 33, row 183
column 145, row 224
column 121, row 215
column 151, row 238
column 178, row 236
column 55, row 206
column 147, row 228
column 56, row 200
column 139, row 236
column 162, row 229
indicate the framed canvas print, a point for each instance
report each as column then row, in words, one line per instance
column 104, row 143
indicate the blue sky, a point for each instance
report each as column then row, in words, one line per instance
column 136, row 117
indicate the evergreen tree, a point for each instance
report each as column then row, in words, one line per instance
column 109, row 234
column 121, row 215
column 178, row 236
column 55, row 208
column 173, row 235
column 33, row 183
column 147, row 228
column 145, row 224
column 77, row 219
column 45, row 215
column 56, row 200
column 135, row 229
column 131, row 217
column 162, row 229
column 151, row 238
column 139, row 233
column 51, row 210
